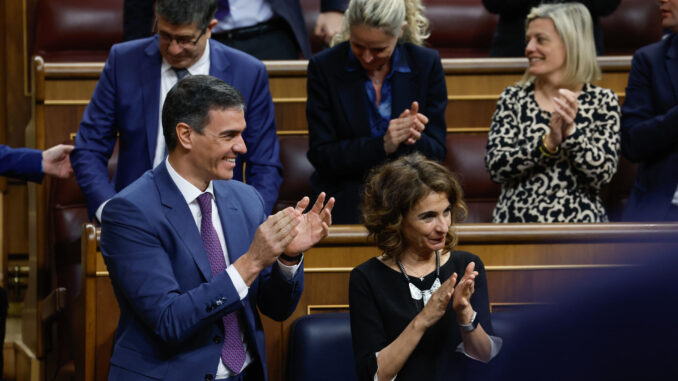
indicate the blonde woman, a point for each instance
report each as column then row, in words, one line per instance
column 555, row 138
column 375, row 95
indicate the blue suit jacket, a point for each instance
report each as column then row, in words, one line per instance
column 341, row 146
column 21, row 163
column 125, row 106
column 649, row 127
column 171, row 305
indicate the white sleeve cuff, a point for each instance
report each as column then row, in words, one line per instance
column 100, row 210
column 495, row 346
column 375, row 374
column 288, row 272
column 238, row 282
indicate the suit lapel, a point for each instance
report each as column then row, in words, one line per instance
column 179, row 216
column 403, row 86
column 672, row 64
column 232, row 223
column 149, row 79
column 351, row 85
column 219, row 64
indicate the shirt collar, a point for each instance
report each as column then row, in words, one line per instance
column 188, row 190
column 201, row 66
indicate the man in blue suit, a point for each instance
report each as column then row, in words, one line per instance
column 126, row 104
column 649, row 125
column 192, row 258
column 32, row 164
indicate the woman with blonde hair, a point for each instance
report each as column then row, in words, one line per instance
column 555, row 138
column 420, row 310
column 375, row 95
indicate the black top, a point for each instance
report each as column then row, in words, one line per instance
column 381, row 307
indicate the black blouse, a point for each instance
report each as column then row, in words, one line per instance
column 381, row 307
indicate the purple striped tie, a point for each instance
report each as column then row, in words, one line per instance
column 233, row 351
column 223, row 9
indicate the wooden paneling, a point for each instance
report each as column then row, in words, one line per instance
column 525, row 264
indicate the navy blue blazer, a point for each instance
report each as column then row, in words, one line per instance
column 341, row 146
column 649, row 128
column 125, row 107
column 21, row 163
column 171, row 305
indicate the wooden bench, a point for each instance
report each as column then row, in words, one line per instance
column 526, row 264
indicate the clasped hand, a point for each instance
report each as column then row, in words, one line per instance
column 459, row 294
column 407, row 128
column 562, row 119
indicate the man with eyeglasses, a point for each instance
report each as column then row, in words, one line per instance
column 127, row 104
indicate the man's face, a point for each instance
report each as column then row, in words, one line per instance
column 182, row 45
column 669, row 14
column 213, row 152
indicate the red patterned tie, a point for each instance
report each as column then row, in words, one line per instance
column 233, row 351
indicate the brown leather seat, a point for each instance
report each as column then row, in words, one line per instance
column 297, row 170
column 77, row 30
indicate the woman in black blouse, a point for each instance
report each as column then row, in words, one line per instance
column 420, row 310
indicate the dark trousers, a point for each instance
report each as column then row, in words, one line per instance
column 272, row 40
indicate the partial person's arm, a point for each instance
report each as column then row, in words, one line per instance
column 330, row 19
column 262, row 160
column 507, row 158
column 96, row 139
column 594, row 149
column 646, row 135
column 21, row 163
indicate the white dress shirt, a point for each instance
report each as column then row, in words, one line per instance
column 244, row 13
column 191, row 193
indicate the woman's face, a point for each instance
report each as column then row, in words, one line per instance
column 426, row 225
column 544, row 49
column 372, row 46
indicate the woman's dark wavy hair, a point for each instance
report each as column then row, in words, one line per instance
column 393, row 189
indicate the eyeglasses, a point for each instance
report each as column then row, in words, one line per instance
column 182, row 41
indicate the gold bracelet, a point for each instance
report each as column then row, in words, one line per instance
column 543, row 143
column 543, row 151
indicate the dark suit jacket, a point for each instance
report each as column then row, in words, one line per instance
column 21, row 163
column 138, row 18
column 171, row 305
column 125, row 103
column 649, row 128
column 341, row 147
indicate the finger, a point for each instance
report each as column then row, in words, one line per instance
column 569, row 95
column 318, row 205
column 566, row 118
column 470, row 268
column 66, row 148
column 416, row 135
column 302, row 204
column 328, row 208
column 414, row 109
column 422, row 118
column 565, row 107
column 404, row 114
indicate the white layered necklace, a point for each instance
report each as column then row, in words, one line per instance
column 417, row 294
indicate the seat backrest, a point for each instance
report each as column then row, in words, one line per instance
column 77, row 30
column 320, row 348
column 635, row 23
column 297, row 170
column 466, row 158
